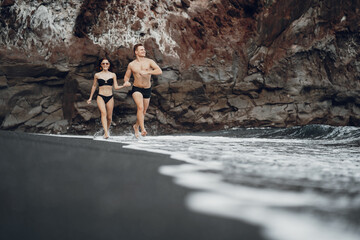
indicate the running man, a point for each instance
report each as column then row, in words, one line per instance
column 142, row 68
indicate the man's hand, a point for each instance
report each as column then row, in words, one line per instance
column 127, row 84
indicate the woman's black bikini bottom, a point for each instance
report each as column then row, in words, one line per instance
column 106, row 98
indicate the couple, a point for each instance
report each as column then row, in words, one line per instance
column 142, row 68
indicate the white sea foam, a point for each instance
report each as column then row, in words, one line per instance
column 284, row 213
column 66, row 136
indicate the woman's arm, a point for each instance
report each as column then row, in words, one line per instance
column 93, row 88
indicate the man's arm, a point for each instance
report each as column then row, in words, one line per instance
column 116, row 85
column 127, row 77
column 156, row 69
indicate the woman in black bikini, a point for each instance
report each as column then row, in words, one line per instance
column 105, row 99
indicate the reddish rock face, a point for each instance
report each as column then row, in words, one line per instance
column 7, row 3
column 228, row 63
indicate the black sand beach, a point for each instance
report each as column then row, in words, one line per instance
column 67, row 188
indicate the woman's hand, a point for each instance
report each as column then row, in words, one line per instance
column 127, row 84
column 88, row 101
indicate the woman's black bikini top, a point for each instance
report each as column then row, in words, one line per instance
column 108, row 82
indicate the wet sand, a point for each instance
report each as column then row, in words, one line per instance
column 76, row 188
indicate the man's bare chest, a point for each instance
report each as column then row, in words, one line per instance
column 141, row 66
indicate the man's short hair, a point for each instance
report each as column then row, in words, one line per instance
column 136, row 46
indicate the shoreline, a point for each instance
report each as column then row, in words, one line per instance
column 75, row 188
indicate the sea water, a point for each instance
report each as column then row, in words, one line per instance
column 296, row 183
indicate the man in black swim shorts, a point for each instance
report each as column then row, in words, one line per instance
column 142, row 68
column 146, row 92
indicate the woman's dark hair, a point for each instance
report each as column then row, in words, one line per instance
column 99, row 67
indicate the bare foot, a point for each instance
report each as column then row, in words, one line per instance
column 106, row 136
column 136, row 130
column 143, row 133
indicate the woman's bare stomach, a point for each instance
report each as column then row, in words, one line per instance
column 105, row 91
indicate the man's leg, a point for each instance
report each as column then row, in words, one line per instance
column 146, row 103
column 138, row 99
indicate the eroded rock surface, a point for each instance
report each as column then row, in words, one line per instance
column 242, row 63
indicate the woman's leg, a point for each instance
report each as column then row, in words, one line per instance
column 102, row 108
column 109, row 110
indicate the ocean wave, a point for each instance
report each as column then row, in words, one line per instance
column 316, row 132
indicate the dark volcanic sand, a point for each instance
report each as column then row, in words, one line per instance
column 75, row 188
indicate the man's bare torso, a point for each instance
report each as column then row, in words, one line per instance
column 142, row 81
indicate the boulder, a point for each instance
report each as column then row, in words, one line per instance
column 32, row 70
column 339, row 116
column 220, row 105
column 87, row 111
column 269, row 115
column 250, row 83
column 273, row 97
column 33, row 122
column 3, row 82
column 84, row 85
column 7, row 3
column 20, row 115
column 4, row 108
column 121, row 94
column 210, row 74
column 188, row 86
column 168, row 76
column 53, row 108
column 59, row 127
column 51, row 118
column 240, row 102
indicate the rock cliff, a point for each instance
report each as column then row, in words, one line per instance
column 234, row 63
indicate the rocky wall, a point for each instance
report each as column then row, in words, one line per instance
column 235, row 63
